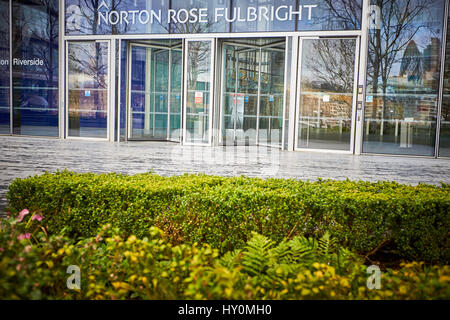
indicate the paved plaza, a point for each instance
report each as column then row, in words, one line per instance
column 25, row 156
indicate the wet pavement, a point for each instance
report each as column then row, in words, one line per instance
column 25, row 156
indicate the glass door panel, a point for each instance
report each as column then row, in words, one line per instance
column 270, row 126
column 88, row 89
column 160, row 92
column 155, row 84
column 240, row 95
column 199, row 83
column 149, row 94
column 175, row 94
column 326, row 94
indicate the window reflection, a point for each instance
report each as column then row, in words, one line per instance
column 4, row 68
column 403, row 78
column 35, row 67
column 333, row 15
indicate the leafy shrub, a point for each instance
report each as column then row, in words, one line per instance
column 409, row 222
column 114, row 266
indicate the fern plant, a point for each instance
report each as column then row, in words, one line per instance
column 267, row 262
column 257, row 254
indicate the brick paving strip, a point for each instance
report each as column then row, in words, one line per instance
column 24, row 156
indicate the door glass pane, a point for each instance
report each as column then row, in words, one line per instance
column 444, row 141
column 139, row 97
column 198, row 102
column 403, row 72
column 156, row 83
column 88, row 89
column 175, row 100
column 240, row 95
column 160, row 92
column 270, row 127
column 326, row 94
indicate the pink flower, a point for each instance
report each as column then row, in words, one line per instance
column 2, row 249
column 27, row 248
column 37, row 217
column 24, row 236
column 22, row 214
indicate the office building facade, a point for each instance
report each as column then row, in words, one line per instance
column 345, row 76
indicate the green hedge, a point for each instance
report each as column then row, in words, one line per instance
column 410, row 222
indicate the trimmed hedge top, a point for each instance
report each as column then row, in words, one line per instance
column 409, row 222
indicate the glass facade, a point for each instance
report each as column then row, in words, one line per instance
column 35, row 53
column 85, row 17
column 444, row 139
column 234, row 85
column 403, row 77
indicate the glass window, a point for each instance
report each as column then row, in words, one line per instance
column 290, row 15
column 198, row 16
column 143, row 17
column 116, row 17
column 403, row 77
column 35, row 67
column 263, row 15
column 209, row 16
column 444, row 141
column 4, row 68
column 87, row 86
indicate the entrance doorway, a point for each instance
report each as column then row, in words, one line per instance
column 155, row 90
column 326, row 112
column 252, row 98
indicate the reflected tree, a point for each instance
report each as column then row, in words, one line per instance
column 346, row 13
column 331, row 67
column 400, row 24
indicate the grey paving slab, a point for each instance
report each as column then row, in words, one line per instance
column 23, row 156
